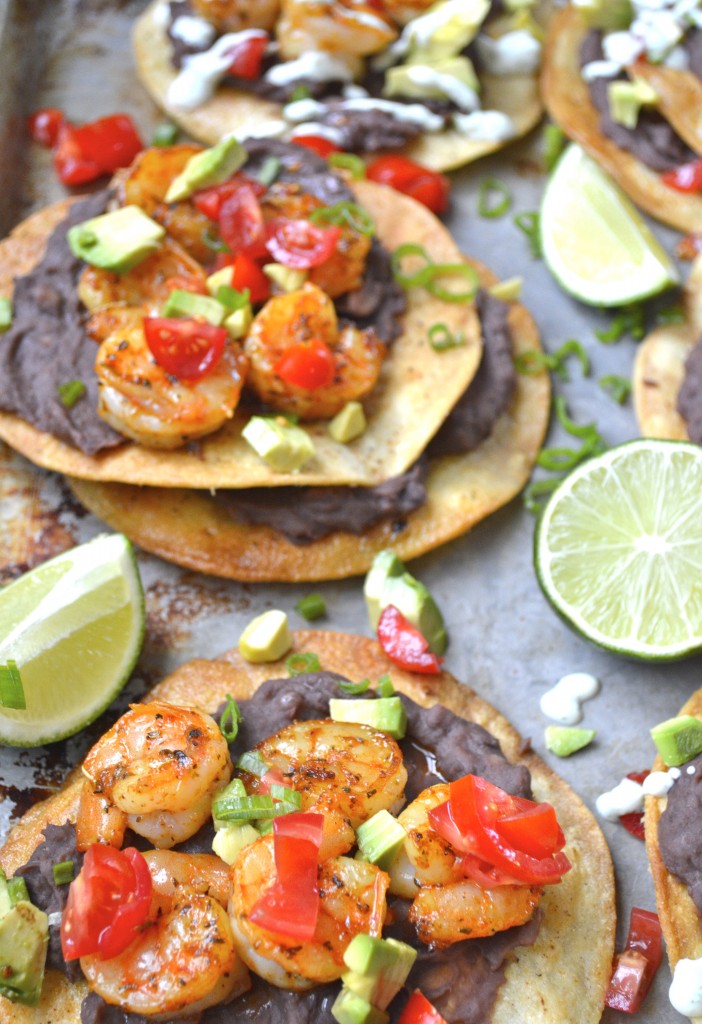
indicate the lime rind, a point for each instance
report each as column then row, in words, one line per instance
column 618, row 550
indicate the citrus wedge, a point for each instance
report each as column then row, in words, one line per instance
column 618, row 549
column 594, row 241
column 73, row 627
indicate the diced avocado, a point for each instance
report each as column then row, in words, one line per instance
column 284, row 446
column 387, row 582
column 350, row 1008
column 380, row 838
column 386, row 714
column 626, row 99
column 348, row 424
column 5, row 314
column 378, row 968
column 446, row 28
column 210, row 167
column 238, row 322
column 230, row 841
column 564, row 740
column 223, row 276
column 5, row 897
column 608, row 15
column 426, row 79
column 266, row 638
column 24, row 940
column 678, row 739
column 287, row 278
column 508, row 290
column 181, row 303
column 116, row 241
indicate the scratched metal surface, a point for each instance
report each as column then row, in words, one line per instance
column 505, row 641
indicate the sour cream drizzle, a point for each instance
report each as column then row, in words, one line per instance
column 562, row 702
column 685, row 992
column 201, row 73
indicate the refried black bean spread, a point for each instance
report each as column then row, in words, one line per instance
column 679, row 832
column 689, row 402
column 462, row 982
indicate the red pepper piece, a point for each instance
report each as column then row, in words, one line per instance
column 405, row 645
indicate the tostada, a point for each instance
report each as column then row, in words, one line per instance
column 284, row 913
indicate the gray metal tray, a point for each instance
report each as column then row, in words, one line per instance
column 506, row 642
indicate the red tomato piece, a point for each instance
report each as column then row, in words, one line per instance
column 636, row 965
column 299, row 243
column 686, row 178
column 405, row 645
column 533, row 829
column 44, row 125
column 188, row 349
column 247, row 57
column 426, row 186
column 418, row 1010
column 272, row 777
column 291, row 905
column 486, row 875
column 209, row 200
column 241, row 221
column 307, row 364
column 317, row 143
column 110, row 142
column 248, row 275
column 634, row 822
column 107, row 903
column 70, row 163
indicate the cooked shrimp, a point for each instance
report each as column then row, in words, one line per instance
column 141, row 400
column 402, row 11
column 145, row 184
column 147, row 286
column 184, row 958
column 354, row 27
column 300, row 317
column 352, row 900
column 235, row 15
column 447, row 907
column 337, row 766
column 343, row 271
column 158, row 767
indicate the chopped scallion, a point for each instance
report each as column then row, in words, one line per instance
column 270, row 169
column 530, row 224
column 71, row 392
column 441, row 337
column 252, row 762
column 554, row 144
column 11, row 688
column 229, row 720
column 618, row 388
column 300, row 664
column 5, row 314
column 384, row 686
column 494, row 198
column 537, row 491
column 63, row 872
column 212, row 241
column 165, row 134
column 354, row 689
column 300, row 92
column 348, row 162
column 628, row 321
column 311, row 607
column 533, row 361
column 426, row 276
column 344, row 213
column 232, row 298
column 17, row 889
column 671, row 315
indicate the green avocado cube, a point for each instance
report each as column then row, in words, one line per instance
column 350, row 1008
column 564, row 740
column 379, row 838
column 24, row 940
column 281, row 444
column 210, row 167
column 182, row 303
column 387, row 582
column 116, row 241
column 387, row 714
column 678, row 739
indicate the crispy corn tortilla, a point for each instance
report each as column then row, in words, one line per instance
column 570, row 962
column 568, row 102
column 190, row 528
column 417, row 387
column 659, row 367
column 679, row 917
column 231, row 110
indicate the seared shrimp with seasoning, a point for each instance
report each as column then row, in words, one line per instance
column 235, row 15
column 345, row 27
column 447, row 907
column 155, row 771
column 183, row 959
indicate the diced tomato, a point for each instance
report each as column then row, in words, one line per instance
column 405, row 645
column 486, row 875
column 299, row 243
column 70, row 163
column 110, row 142
column 418, row 1010
column 241, row 222
column 44, row 125
column 533, row 828
column 426, row 186
column 189, row 349
column 248, row 274
column 307, row 364
column 107, row 903
column 686, row 178
column 635, row 967
column 317, row 143
column 247, row 56
column 187, row 283
column 291, row 905
column 209, row 200
column 634, row 822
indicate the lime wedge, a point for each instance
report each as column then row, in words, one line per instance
column 74, row 627
column 618, row 549
column 594, row 241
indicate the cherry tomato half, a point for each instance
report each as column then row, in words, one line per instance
column 418, row 1010
column 307, row 364
column 317, row 143
column 209, row 200
column 44, row 125
column 291, row 905
column 405, row 645
column 636, row 965
column 299, row 243
column 241, row 221
column 248, row 275
column 247, row 56
column 426, row 186
column 70, row 163
column 686, row 178
column 107, row 903
column 189, row 349
column 110, row 142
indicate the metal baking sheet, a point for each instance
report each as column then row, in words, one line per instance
column 505, row 641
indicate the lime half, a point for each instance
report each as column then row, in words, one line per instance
column 595, row 243
column 74, row 627
column 618, row 549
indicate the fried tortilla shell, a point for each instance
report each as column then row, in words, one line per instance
column 231, row 110
column 679, row 917
column 568, row 102
column 192, row 529
column 417, row 387
column 570, row 962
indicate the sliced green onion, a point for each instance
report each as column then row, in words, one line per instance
column 212, row 241
column 300, row 92
column 618, row 388
column 345, row 213
column 17, row 890
column 265, row 826
column 671, row 315
column 348, row 162
column 533, row 361
column 5, row 314
column 530, row 224
column 252, row 762
column 354, row 689
column 384, row 686
column 311, row 607
column 300, row 664
column 71, row 392
column 584, row 430
column 537, row 491
column 229, row 720
column 494, row 198
column 270, row 169
column 554, row 144
column 286, row 795
column 629, row 321
column 243, row 808
column 63, row 872
column 442, row 338
column 452, row 269
column 402, row 253
column 11, row 688
column 559, row 460
column 232, row 298
column 572, row 347
column 165, row 134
